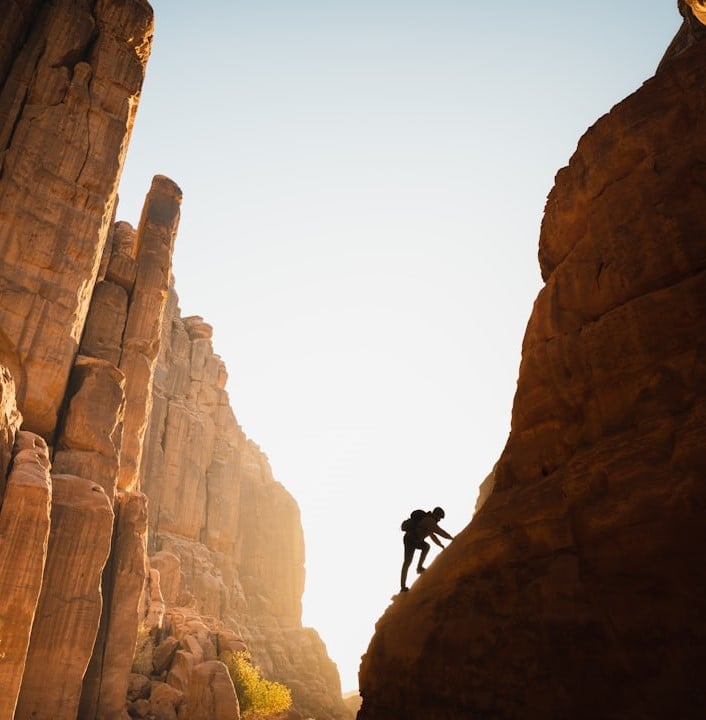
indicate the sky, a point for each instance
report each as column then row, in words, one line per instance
column 363, row 189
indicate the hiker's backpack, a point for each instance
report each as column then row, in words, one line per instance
column 413, row 520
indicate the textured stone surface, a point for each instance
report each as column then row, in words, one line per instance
column 140, row 347
column 224, row 535
column 67, row 617
column 24, row 531
column 211, row 695
column 10, row 421
column 73, row 78
column 106, row 682
column 91, row 431
column 577, row 590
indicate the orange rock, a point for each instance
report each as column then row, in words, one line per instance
column 24, row 530
column 62, row 148
column 576, row 591
column 66, row 622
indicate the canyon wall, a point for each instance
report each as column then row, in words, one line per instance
column 577, row 589
column 142, row 534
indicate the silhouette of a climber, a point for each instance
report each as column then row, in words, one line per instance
column 427, row 525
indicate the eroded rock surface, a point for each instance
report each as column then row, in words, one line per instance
column 24, row 531
column 84, row 312
column 72, row 75
column 225, row 536
column 577, row 590
column 70, row 603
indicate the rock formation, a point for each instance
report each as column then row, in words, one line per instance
column 576, row 591
column 73, row 73
column 224, row 535
column 87, row 310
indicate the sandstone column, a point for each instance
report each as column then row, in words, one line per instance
column 155, row 238
column 67, row 107
column 24, row 530
column 106, row 682
column 89, row 440
column 69, row 610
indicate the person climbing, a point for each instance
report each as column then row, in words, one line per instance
column 419, row 525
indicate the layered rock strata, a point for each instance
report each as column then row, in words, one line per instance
column 577, row 591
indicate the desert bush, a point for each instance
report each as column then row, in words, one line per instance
column 258, row 697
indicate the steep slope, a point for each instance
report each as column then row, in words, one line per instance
column 577, row 591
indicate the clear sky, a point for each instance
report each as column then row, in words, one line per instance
column 363, row 187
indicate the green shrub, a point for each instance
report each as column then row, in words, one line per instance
column 258, row 697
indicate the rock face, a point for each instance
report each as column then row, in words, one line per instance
column 87, row 309
column 70, row 86
column 577, row 591
column 70, row 603
column 24, row 531
column 225, row 536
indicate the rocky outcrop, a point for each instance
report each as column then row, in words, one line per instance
column 72, row 77
column 577, row 591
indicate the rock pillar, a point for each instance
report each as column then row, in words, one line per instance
column 69, row 609
column 24, row 531
column 155, row 240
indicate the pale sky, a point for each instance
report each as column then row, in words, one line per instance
column 363, row 187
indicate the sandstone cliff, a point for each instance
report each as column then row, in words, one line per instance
column 114, row 418
column 577, row 590
column 225, row 537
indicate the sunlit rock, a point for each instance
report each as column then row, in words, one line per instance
column 24, row 531
column 71, row 78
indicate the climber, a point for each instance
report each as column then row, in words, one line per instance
column 419, row 525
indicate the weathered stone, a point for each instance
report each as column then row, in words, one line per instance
column 106, row 682
column 270, row 519
column 169, row 568
column 234, row 539
column 10, row 421
column 179, row 675
column 66, row 111
column 68, row 613
column 164, row 654
column 164, row 701
column 577, row 591
column 139, row 686
column 89, row 442
column 139, row 708
column 24, row 531
column 698, row 7
column 211, row 695
column 105, row 324
column 155, row 237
